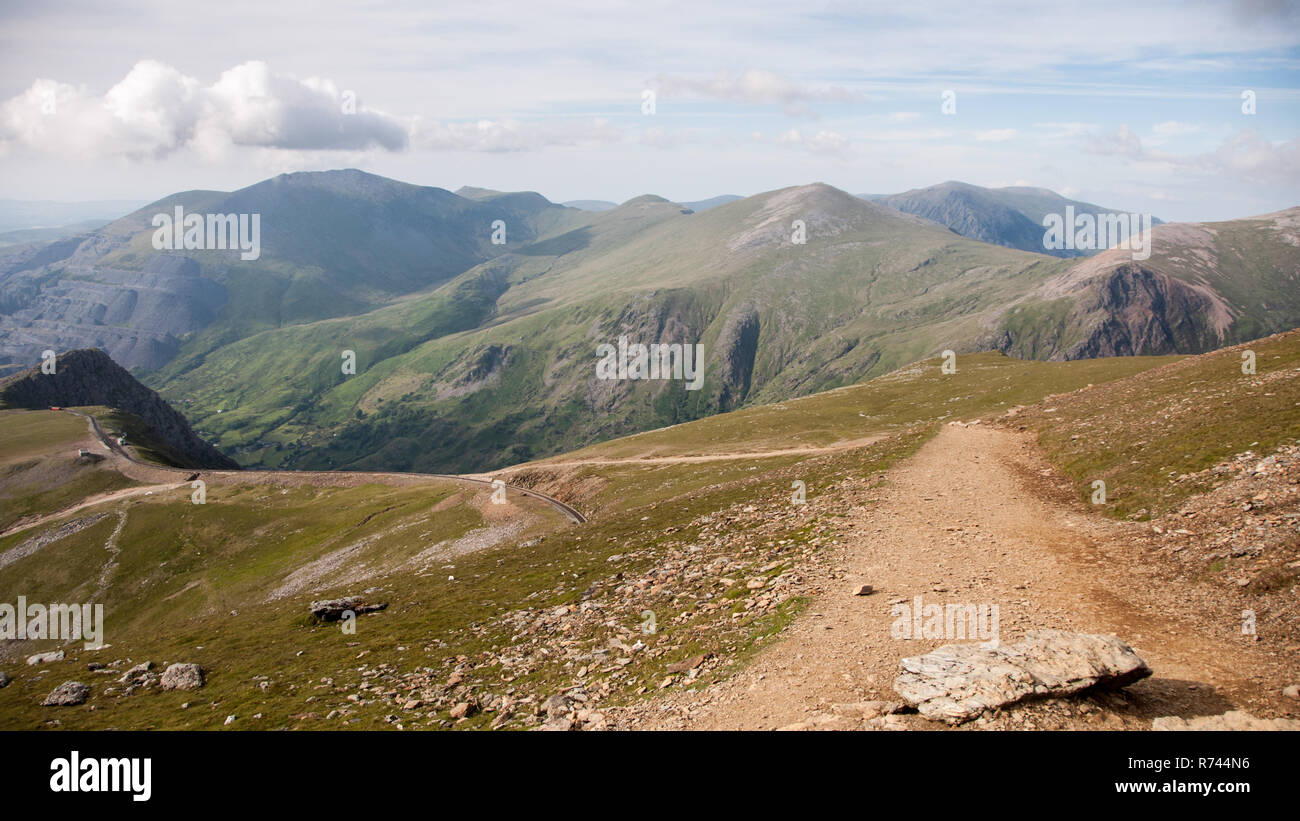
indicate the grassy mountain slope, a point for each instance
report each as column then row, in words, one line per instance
column 39, row 469
column 1152, row 439
column 533, row 617
column 332, row 243
column 506, row 352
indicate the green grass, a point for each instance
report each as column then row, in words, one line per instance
column 141, row 438
column 30, row 433
column 1141, row 434
column 38, row 468
column 219, row 563
column 921, row 393
column 850, row 305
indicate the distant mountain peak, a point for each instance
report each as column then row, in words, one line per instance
column 646, row 199
column 471, row 192
column 1011, row 216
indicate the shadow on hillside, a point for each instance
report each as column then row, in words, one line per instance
column 574, row 240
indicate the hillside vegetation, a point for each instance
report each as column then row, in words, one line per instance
column 479, row 594
column 471, row 355
column 498, row 366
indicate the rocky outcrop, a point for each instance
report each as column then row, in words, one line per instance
column 958, row 682
column 1143, row 312
column 737, row 352
column 67, row 694
column 139, row 676
column 182, row 676
column 138, row 316
column 334, row 609
column 1129, row 309
column 91, row 377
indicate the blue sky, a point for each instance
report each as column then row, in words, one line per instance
column 1126, row 106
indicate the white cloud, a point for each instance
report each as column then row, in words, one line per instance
column 1123, row 142
column 1246, row 156
column 902, row 116
column 1162, row 133
column 754, row 86
column 908, row 135
column 1259, row 161
column 156, row 110
column 995, row 135
column 830, row 143
column 512, row 135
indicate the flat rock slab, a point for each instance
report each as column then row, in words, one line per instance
column 334, row 609
column 958, row 682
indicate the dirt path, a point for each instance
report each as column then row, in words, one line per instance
column 974, row 517
column 810, row 450
column 128, row 464
column 91, row 501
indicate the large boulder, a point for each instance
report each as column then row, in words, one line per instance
column 182, row 677
column 958, row 682
column 67, row 694
column 333, row 609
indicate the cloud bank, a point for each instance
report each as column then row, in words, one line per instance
column 156, row 110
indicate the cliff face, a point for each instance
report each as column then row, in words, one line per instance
column 1129, row 311
column 1141, row 312
column 1202, row 286
column 90, row 377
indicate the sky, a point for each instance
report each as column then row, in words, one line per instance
column 1186, row 110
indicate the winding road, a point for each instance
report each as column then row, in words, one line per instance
column 572, row 513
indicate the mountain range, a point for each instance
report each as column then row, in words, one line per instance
column 697, row 206
column 1010, row 216
column 471, row 354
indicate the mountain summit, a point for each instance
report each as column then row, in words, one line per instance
column 1011, row 217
